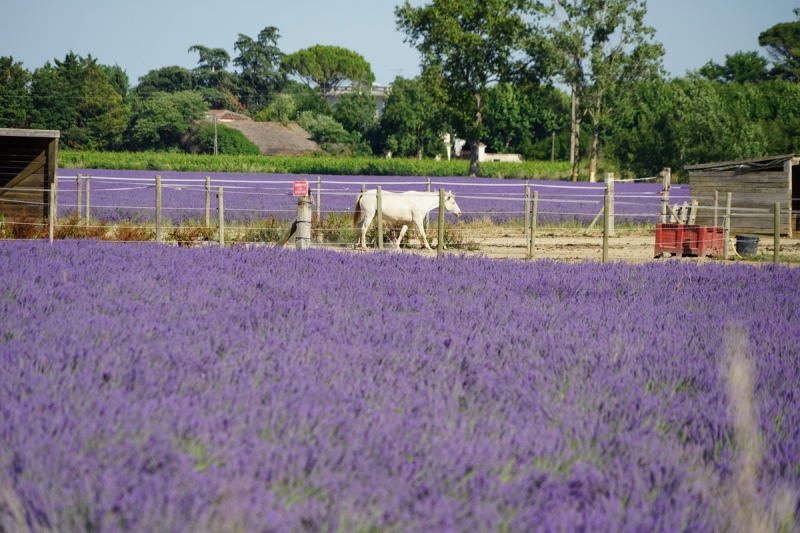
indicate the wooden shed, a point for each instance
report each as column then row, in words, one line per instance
column 756, row 185
column 28, row 171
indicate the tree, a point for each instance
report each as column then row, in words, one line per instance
column 603, row 45
column 210, row 74
column 411, row 124
column 741, row 67
column 508, row 117
column 356, row 110
column 782, row 42
column 282, row 109
column 15, row 102
column 160, row 121
column 306, row 98
column 683, row 122
column 166, row 79
column 467, row 46
column 75, row 97
column 328, row 67
column 259, row 61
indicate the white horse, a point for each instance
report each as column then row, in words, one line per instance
column 405, row 207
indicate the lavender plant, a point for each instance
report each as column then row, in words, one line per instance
column 157, row 388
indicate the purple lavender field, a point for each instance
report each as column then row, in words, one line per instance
column 154, row 388
column 118, row 195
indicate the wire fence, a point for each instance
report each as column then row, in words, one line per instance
column 185, row 208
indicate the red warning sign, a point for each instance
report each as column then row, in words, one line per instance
column 300, row 188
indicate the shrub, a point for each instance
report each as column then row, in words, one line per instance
column 130, row 233
column 229, row 141
column 73, row 229
column 189, row 235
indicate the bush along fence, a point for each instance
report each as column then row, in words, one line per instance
column 189, row 208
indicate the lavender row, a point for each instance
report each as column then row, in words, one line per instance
column 250, row 197
column 151, row 388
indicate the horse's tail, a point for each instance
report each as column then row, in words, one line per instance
column 357, row 211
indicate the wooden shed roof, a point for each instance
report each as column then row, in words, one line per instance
column 43, row 134
column 758, row 163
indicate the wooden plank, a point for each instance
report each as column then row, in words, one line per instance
column 34, row 165
column 735, row 176
column 45, row 134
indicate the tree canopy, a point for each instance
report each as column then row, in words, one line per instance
column 782, row 42
column 328, row 67
column 15, row 102
column 466, row 46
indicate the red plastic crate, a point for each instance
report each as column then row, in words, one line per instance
column 683, row 239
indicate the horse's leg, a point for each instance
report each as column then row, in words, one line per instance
column 366, row 220
column 421, row 231
column 402, row 233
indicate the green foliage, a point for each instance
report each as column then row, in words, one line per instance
column 259, row 60
column 230, row 141
column 467, row 46
column 507, row 115
column 412, row 123
column 282, row 109
column 355, row 110
column 782, row 42
column 741, row 67
column 307, row 99
column 166, row 79
column 15, row 102
column 161, row 120
column 351, row 166
column 75, row 97
column 328, row 67
column 682, row 122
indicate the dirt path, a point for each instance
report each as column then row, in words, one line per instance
column 574, row 245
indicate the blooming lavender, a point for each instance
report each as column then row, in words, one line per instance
column 118, row 195
column 152, row 388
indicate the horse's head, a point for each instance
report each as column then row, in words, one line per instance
column 450, row 203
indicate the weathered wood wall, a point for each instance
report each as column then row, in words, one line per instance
column 28, row 163
column 754, row 194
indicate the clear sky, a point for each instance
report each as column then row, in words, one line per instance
column 145, row 35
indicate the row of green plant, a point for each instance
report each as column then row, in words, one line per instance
column 349, row 166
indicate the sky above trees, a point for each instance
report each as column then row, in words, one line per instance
column 155, row 34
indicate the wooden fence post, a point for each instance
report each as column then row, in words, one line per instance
column 319, row 197
column 380, row 218
column 79, row 185
column 440, row 241
column 428, row 214
column 716, row 208
column 610, row 189
column 208, row 202
column 55, row 198
column 667, row 175
column 221, row 222
column 88, row 202
column 777, row 234
column 534, row 211
column 726, row 250
column 51, row 222
column 158, row 208
column 527, row 211
column 605, row 226
column 302, row 239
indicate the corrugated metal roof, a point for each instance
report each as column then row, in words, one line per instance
column 746, row 164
